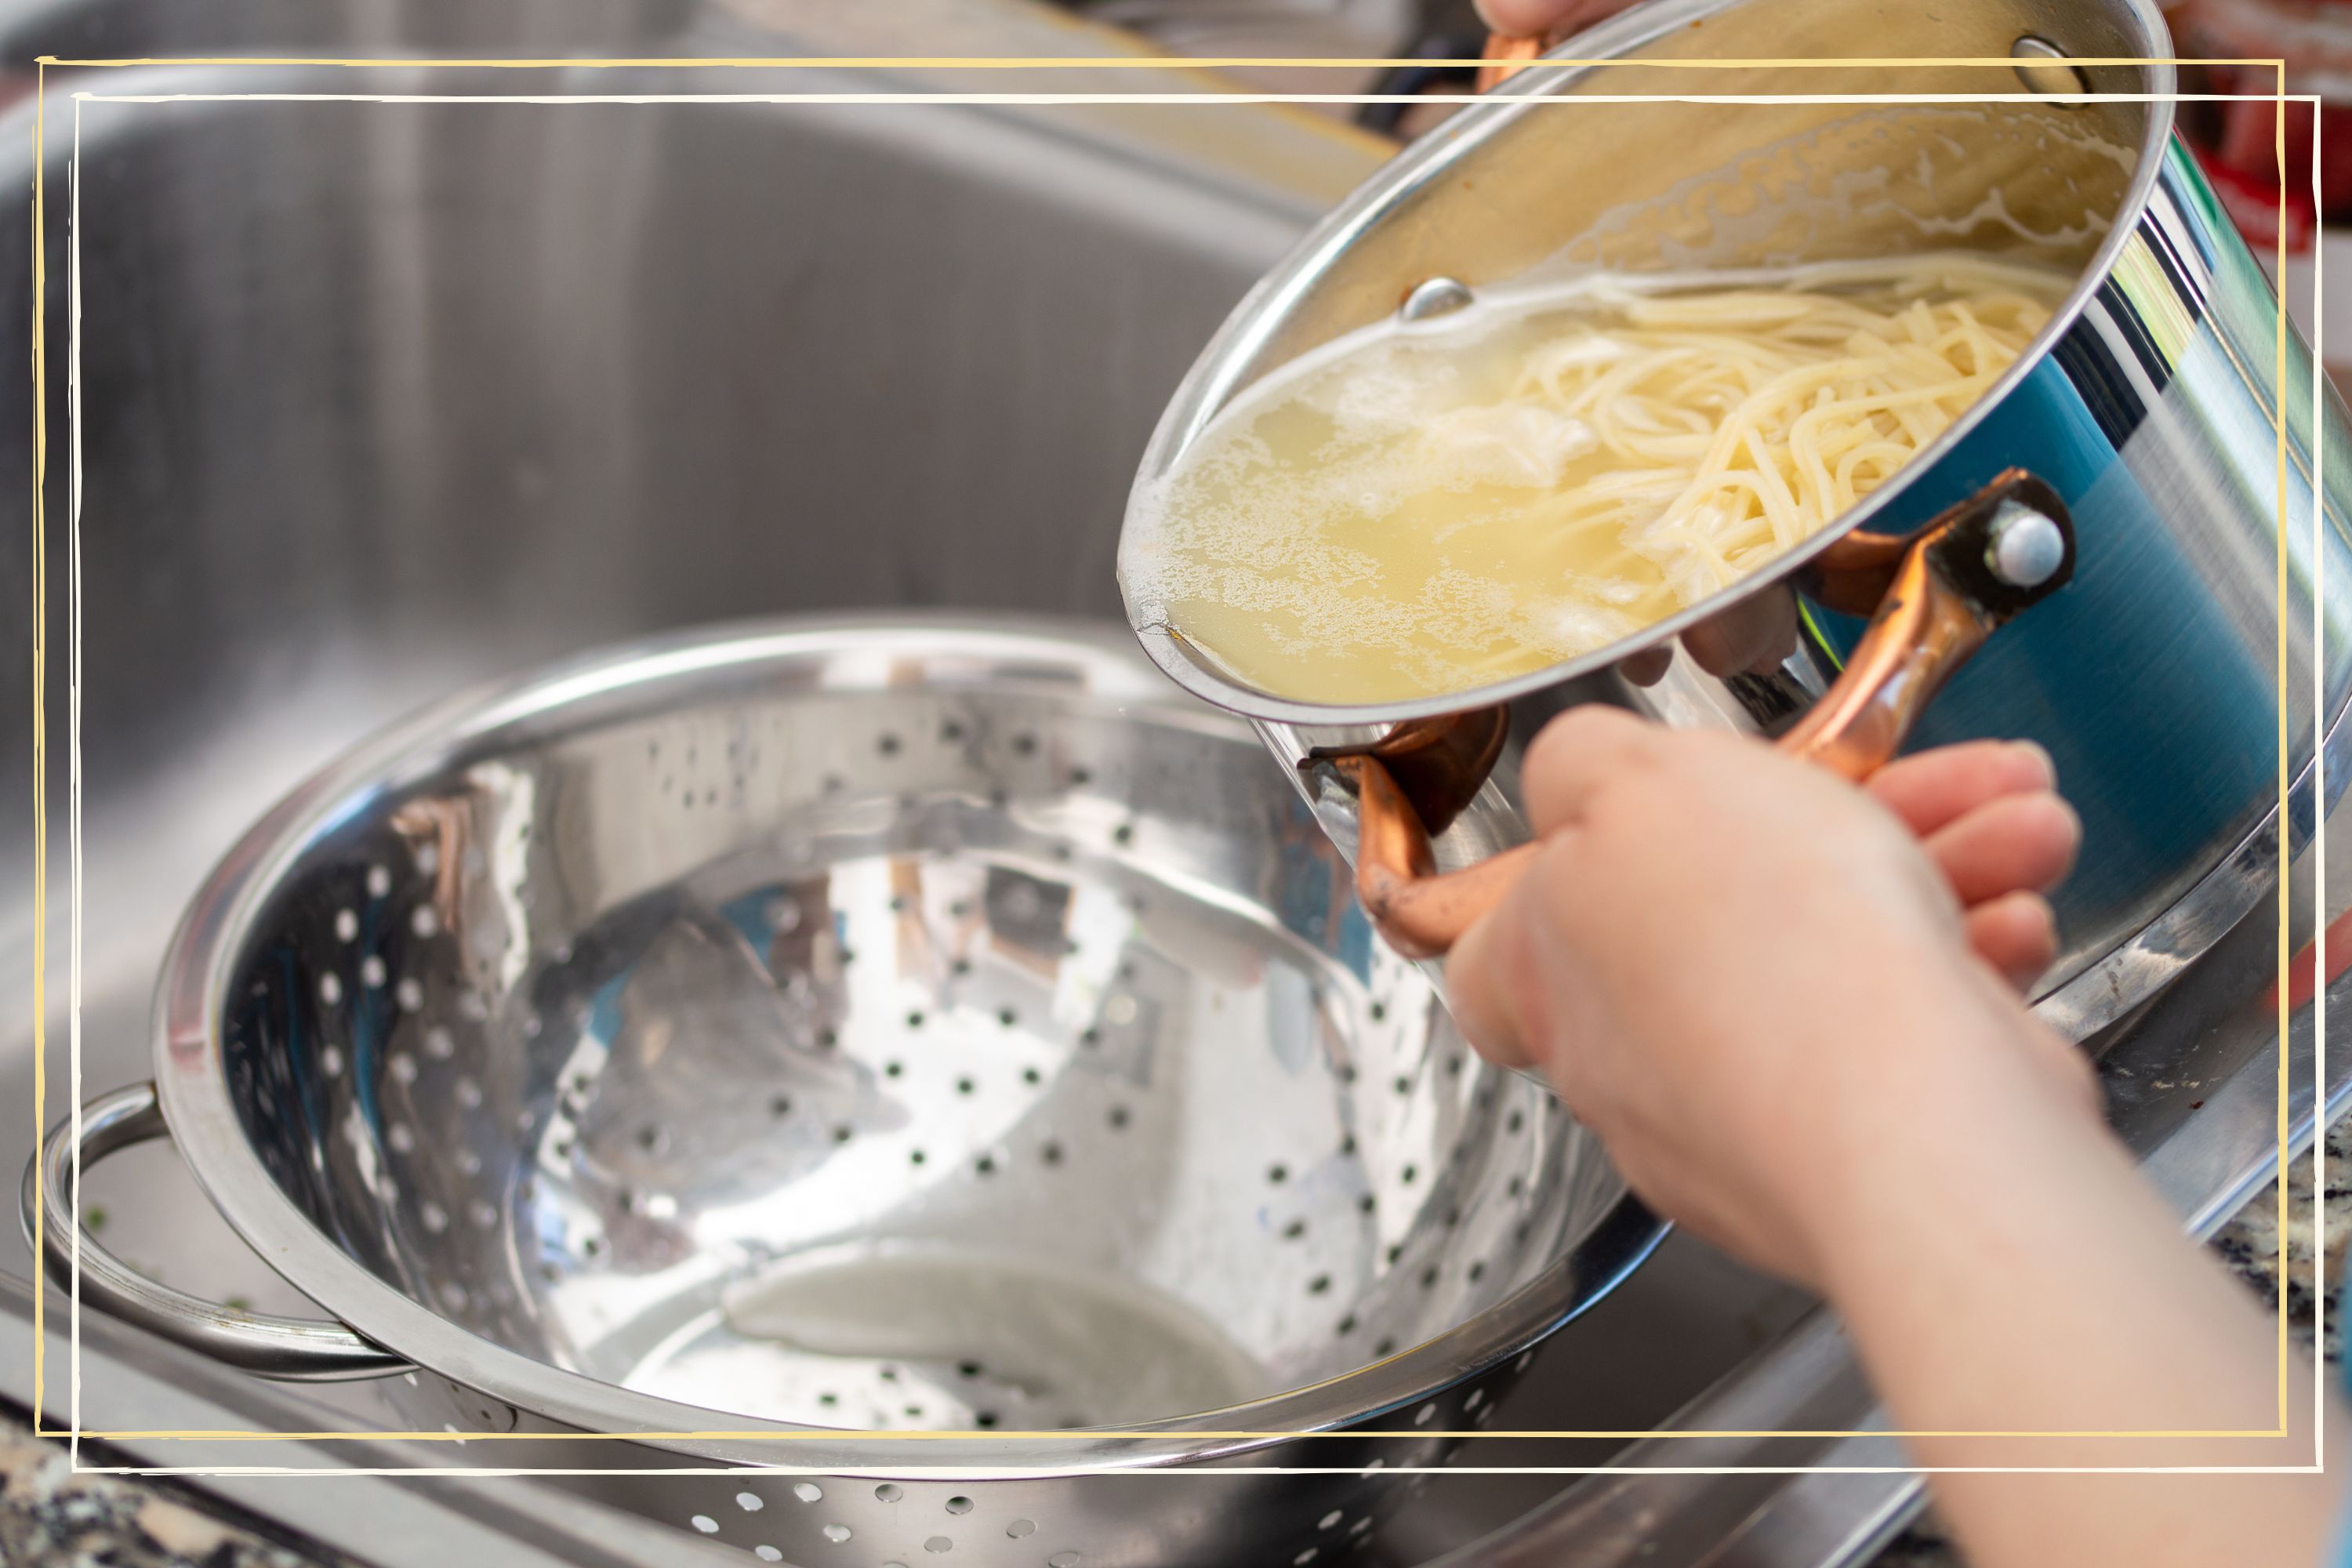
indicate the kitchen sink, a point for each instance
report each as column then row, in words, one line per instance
column 382, row 398
column 379, row 399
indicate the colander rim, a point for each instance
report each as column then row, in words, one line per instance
column 200, row 968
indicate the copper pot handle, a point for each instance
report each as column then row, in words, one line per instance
column 1504, row 56
column 1946, row 589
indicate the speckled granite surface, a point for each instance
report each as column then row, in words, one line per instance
column 51, row 1519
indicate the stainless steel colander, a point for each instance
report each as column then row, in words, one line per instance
column 945, row 1035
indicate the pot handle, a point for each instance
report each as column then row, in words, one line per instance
column 1951, row 586
column 295, row 1350
column 1505, row 56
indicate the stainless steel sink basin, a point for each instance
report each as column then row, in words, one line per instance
column 381, row 398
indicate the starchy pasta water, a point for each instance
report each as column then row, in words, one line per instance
column 1414, row 511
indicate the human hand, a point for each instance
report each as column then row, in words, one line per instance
column 1746, row 976
column 1990, row 817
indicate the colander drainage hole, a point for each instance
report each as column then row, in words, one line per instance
column 1064, row 1560
column 916, row 1156
column 892, row 1069
column 750, row 1502
column 888, row 1491
column 1294, row 1230
column 886, row 744
column 965, row 1086
column 938, row 1544
column 1379, row 1011
column 1117, row 1117
column 828, row 1400
column 968, row 1369
column 959, row 1505
column 347, row 926
column 985, row 1418
column 705, row 1523
column 1321, row 1283
column 808, row 1491
column 1022, row 744
column 1277, row 1175
column 985, row 1165
column 1347, row 1326
column 781, row 1106
column 767, row 1554
column 1304, row 1558
column 837, row 1534
column 1021, row 1528
column 1051, row 1154
column 1031, row 1077
column 915, row 1021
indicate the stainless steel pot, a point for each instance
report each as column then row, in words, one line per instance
column 930, row 1028
column 2165, row 420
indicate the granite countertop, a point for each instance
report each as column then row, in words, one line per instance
column 50, row 1518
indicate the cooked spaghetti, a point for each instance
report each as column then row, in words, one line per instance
column 1415, row 512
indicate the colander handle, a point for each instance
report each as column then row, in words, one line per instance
column 1938, row 596
column 294, row 1349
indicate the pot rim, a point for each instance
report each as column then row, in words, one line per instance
column 1215, row 378
column 200, row 966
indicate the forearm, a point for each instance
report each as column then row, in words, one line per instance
column 2053, row 1292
